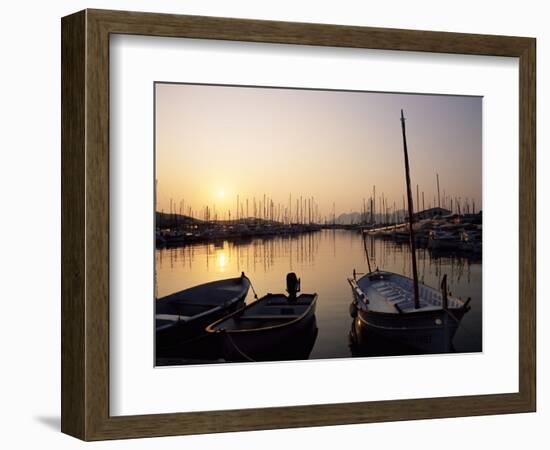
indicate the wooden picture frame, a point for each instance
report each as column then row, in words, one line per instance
column 85, row 224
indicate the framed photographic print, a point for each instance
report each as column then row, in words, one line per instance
column 270, row 224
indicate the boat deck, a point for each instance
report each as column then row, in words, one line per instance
column 389, row 293
column 269, row 311
column 201, row 298
column 206, row 295
column 165, row 321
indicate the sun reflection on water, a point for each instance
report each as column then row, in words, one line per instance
column 221, row 260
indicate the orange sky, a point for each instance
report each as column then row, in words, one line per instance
column 216, row 142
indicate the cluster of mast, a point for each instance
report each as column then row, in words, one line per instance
column 302, row 210
column 306, row 210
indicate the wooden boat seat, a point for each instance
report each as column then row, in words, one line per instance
column 203, row 295
column 187, row 303
column 288, row 303
column 205, row 302
column 269, row 317
column 171, row 318
column 288, row 308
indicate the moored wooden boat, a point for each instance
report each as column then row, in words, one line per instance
column 384, row 306
column 443, row 240
column 470, row 241
column 401, row 309
column 275, row 327
column 184, row 315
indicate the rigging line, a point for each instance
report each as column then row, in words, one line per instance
column 196, row 339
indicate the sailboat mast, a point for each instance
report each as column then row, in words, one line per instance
column 438, row 197
column 411, row 212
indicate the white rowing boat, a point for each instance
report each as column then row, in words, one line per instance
column 384, row 306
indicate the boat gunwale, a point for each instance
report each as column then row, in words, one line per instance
column 415, row 328
column 200, row 316
column 416, row 313
column 168, row 298
column 354, row 283
column 210, row 328
column 240, row 296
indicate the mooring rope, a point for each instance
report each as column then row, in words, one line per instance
column 236, row 347
column 460, row 322
column 451, row 315
column 252, row 287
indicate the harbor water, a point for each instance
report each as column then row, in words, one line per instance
column 324, row 260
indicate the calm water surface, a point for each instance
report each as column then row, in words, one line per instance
column 323, row 260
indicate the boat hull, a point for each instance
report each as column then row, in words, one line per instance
column 198, row 307
column 429, row 332
column 383, row 311
column 180, row 339
column 252, row 334
column 270, row 345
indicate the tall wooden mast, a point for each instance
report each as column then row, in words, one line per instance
column 411, row 213
column 438, row 197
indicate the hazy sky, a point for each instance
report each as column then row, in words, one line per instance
column 216, row 142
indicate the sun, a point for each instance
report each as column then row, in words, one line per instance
column 221, row 193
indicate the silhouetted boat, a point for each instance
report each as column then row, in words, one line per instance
column 470, row 241
column 274, row 327
column 184, row 315
column 443, row 240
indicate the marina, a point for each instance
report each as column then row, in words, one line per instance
column 298, row 253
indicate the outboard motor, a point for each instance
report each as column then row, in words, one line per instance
column 292, row 285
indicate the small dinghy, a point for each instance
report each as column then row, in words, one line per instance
column 184, row 315
column 275, row 327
